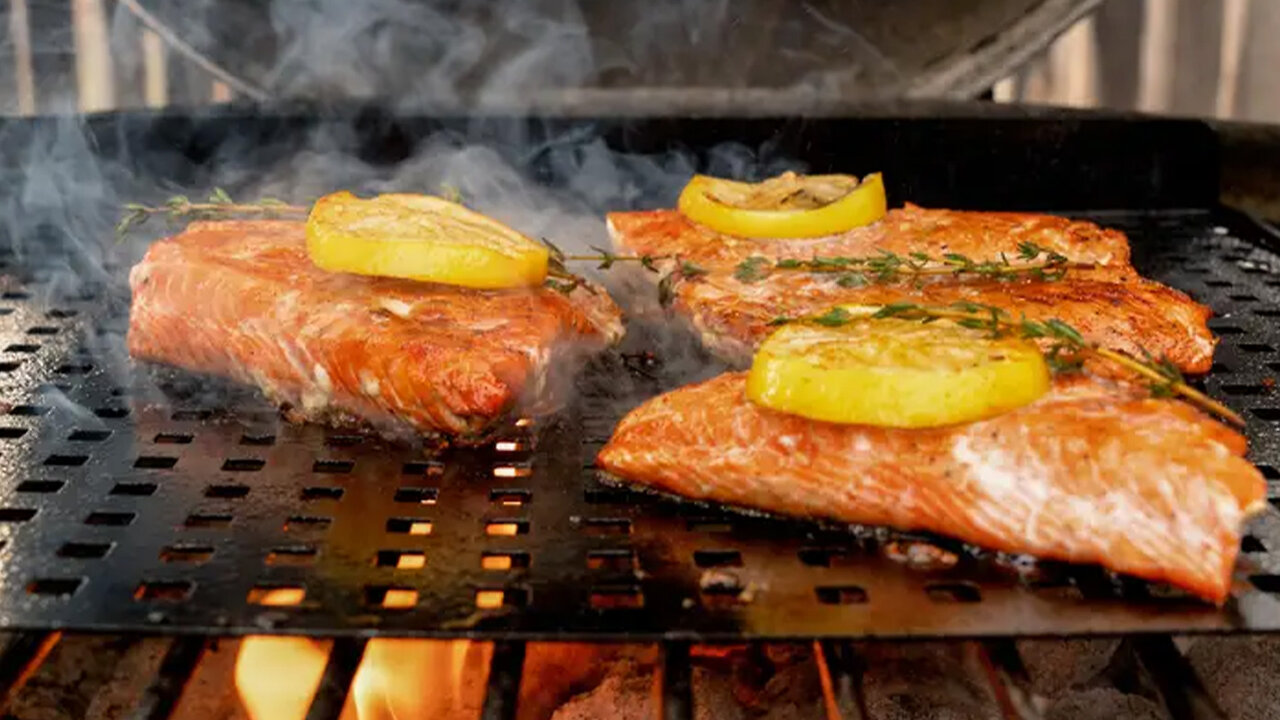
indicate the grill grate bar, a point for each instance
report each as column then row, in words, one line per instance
column 162, row 695
column 675, row 682
column 502, row 693
column 1008, row 677
column 21, row 657
column 840, row 670
column 1180, row 688
column 335, row 683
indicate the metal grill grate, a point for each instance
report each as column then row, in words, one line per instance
column 197, row 510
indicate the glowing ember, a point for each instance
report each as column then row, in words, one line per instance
column 524, row 422
column 489, row 599
column 277, row 676
column 503, row 529
column 400, row 598
column 508, row 446
column 511, row 471
column 277, row 596
column 420, row 528
column 496, row 562
column 411, row 561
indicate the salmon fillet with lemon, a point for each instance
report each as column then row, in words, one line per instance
column 1091, row 472
column 243, row 299
column 1109, row 303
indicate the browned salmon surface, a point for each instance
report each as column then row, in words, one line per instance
column 1093, row 472
column 242, row 299
column 1131, row 315
column 1109, row 303
column 979, row 235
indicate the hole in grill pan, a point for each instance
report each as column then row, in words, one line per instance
column 390, row 597
column 1251, row 544
column 1269, row 472
column 173, row 438
column 163, row 590
column 111, row 413
column 12, row 433
column 506, row 527
column 208, row 520
column 422, row 468
column 1256, row 347
column 134, row 489
column 1268, row 414
column 292, row 555
column 612, row 560
column 409, row 526
column 709, row 526
column 62, row 314
column 42, row 330
column 28, row 410
column 23, row 348
column 1245, row 389
column 66, row 460
column 1243, row 297
column 720, row 588
column 16, row 295
column 8, row 367
column 185, row 553
column 717, row 558
column 40, row 486
column 332, row 466
column 61, row 587
column 1267, row 312
column 84, row 551
column 417, row 495
column 1218, row 283
column 259, row 440
column 226, row 492
column 504, row 560
column 115, row 519
column 191, row 415
column 1266, row 583
column 606, row 526
column 960, row 592
column 510, row 497
column 840, row 594
column 301, row 523
column 825, row 557
column 74, row 369
column 400, row 559
column 491, row 598
column 16, row 515
column 343, row 440
column 616, row 597
column 243, row 464
column 89, row 435
column 321, row 493
column 1227, row 330
column 155, row 462
column 276, row 595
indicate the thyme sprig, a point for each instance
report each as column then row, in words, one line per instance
column 565, row 281
column 218, row 204
column 1035, row 262
column 1066, row 352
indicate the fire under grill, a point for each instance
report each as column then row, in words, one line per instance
column 148, row 500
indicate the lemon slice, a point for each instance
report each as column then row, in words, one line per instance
column 787, row 206
column 420, row 237
column 895, row 373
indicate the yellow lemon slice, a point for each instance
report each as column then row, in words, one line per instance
column 788, row 206
column 895, row 373
column 421, row 237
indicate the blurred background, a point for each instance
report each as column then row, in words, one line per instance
column 1211, row 58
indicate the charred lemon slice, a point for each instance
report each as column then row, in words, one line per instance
column 895, row 373
column 420, row 237
column 787, row 206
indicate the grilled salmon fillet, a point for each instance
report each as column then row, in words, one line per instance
column 242, row 299
column 1130, row 314
column 978, row 235
column 1110, row 303
column 1093, row 472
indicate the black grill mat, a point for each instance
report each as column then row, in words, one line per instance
column 193, row 508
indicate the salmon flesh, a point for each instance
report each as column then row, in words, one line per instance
column 242, row 299
column 1093, row 472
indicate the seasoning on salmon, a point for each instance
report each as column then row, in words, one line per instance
column 1093, row 472
column 1109, row 303
column 242, row 299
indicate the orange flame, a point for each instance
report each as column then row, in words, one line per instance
column 276, row 678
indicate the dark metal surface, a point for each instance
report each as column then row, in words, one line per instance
column 675, row 682
column 161, row 696
column 22, row 655
column 502, row 691
column 335, row 681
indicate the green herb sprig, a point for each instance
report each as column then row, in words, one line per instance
column 1035, row 262
column 1066, row 352
column 219, row 204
